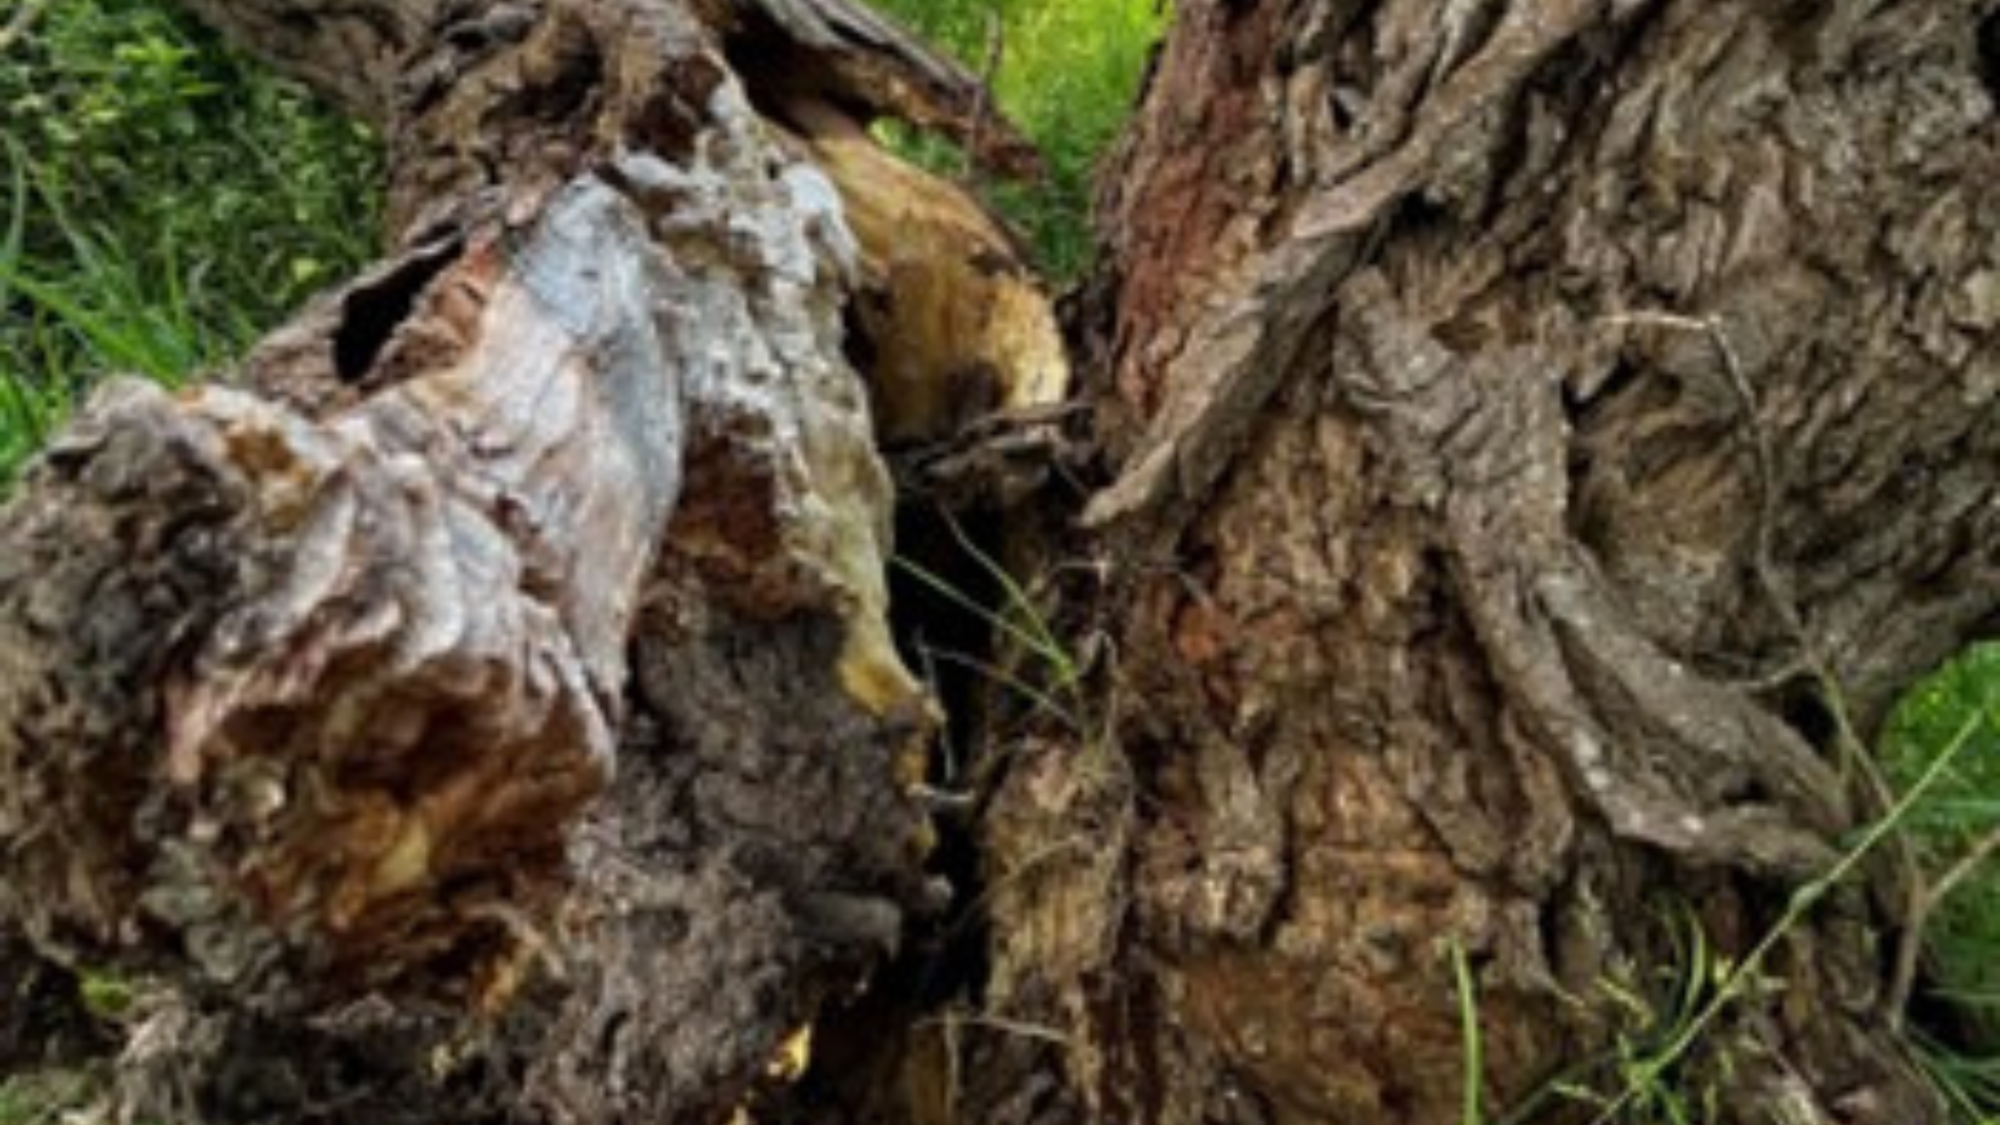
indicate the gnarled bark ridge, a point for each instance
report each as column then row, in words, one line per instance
column 1520, row 412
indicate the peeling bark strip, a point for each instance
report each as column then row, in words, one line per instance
column 517, row 629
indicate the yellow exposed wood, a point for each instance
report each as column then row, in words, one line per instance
column 956, row 325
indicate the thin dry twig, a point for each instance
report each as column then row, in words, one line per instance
column 20, row 23
column 1021, row 1028
column 982, row 107
column 1920, row 897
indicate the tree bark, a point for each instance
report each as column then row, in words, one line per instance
column 1538, row 439
column 1539, row 429
column 509, row 635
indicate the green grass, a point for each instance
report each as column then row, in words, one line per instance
column 1941, row 753
column 1644, row 1076
column 1739, row 979
column 1964, row 933
column 1068, row 74
column 1050, row 676
column 165, row 201
column 47, row 1098
column 1472, row 1083
column 1649, row 1082
column 1953, row 836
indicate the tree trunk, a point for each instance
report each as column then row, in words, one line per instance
column 1539, row 438
column 1540, row 431
column 314, row 687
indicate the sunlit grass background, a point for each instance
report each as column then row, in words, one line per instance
column 165, row 200
column 1067, row 73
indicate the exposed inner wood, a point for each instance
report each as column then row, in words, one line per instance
column 511, row 637
column 953, row 324
column 844, row 54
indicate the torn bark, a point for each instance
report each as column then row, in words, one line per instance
column 512, row 636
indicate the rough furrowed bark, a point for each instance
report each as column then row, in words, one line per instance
column 511, row 635
column 1519, row 420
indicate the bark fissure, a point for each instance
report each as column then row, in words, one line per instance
column 1629, row 385
column 370, row 314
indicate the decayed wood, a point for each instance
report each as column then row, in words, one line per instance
column 1517, row 414
column 513, row 630
column 953, row 324
column 376, row 57
column 403, row 684
column 351, row 53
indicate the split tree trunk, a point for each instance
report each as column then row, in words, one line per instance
column 509, row 636
column 1519, row 416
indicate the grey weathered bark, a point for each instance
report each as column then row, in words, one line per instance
column 510, row 634
column 1517, row 416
